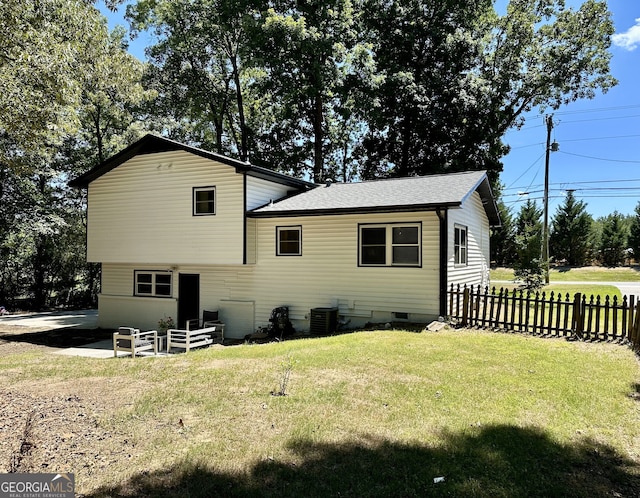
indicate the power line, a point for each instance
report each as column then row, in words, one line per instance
column 600, row 158
column 525, row 146
column 576, row 140
column 527, row 170
column 586, row 111
column 583, row 191
column 626, row 180
column 600, row 119
column 597, row 138
column 601, row 109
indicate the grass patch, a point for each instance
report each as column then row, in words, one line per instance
column 366, row 414
column 584, row 274
column 571, row 289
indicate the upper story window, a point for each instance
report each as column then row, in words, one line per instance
column 204, row 201
column 460, row 245
column 289, row 241
column 152, row 283
column 390, row 245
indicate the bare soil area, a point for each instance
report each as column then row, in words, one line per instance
column 58, row 428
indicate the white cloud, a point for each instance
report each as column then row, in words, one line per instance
column 630, row 39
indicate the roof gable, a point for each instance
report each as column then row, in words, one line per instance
column 150, row 144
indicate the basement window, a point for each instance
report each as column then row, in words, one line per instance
column 152, row 283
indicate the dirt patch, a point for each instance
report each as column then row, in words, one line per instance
column 63, row 426
column 61, row 433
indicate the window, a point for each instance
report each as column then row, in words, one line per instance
column 153, row 283
column 460, row 245
column 289, row 241
column 390, row 245
column 204, row 201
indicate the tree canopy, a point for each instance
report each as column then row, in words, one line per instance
column 404, row 87
column 344, row 89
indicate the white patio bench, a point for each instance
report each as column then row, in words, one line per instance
column 187, row 339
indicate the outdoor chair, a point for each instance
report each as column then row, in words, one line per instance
column 188, row 339
column 130, row 340
column 209, row 319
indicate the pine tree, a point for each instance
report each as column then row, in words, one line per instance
column 614, row 240
column 528, row 267
column 634, row 234
column 570, row 232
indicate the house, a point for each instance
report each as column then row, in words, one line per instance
column 179, row 230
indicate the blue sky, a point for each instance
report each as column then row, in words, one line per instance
column 599, row 139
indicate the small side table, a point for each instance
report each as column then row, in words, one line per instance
column 161, row 345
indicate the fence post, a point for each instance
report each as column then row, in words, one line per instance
column 630, row 316
column 577, row 315
column 465, row 306
column 635, row 336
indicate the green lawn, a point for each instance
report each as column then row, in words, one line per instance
column 586, row 274
column 378, row 413
column 586, row 288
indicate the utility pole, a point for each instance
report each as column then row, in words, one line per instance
column 545, row 229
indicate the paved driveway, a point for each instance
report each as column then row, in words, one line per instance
column 86, row 319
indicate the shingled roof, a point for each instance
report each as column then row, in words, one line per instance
column 418, row 193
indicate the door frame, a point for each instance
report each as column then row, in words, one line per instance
column 188, row 297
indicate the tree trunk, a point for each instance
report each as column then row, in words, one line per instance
column 244, row 152
column 318, row 135
column 403, row 167
column 96, row 122
column 39, row 263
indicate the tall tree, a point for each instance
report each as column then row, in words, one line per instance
column 40, row 44
column 305, row 51
column 199, row 66
column 543, row 54
column 570, row 232
column 426, row 101
column 42, row 220
column 613, row 240
column 111, row 95
column 456, row 76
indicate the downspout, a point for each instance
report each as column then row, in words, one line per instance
column 444, row 244
column 244, row 219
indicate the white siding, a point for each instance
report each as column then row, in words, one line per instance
column 142, row 211
column 326, row 275
column 473, row 216
column 251, row 241
column 118, row 306
column 261, row 192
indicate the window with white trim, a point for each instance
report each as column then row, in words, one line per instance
column 460, row 245
column 152, row 283
column 204, row 201
column 289, row 241
column 390, row 245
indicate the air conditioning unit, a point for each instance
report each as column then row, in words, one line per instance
column 323, row 321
